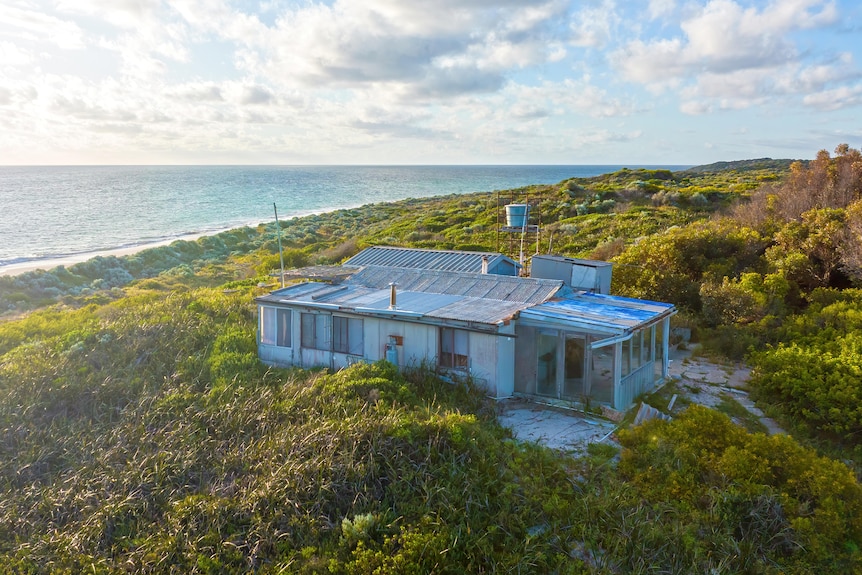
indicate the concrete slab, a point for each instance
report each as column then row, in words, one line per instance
column 707, row 383
column 554, row 427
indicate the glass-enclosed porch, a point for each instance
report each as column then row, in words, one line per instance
column 575, row 366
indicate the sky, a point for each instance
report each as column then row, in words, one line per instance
column 427, row 81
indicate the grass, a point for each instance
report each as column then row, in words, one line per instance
column 139, row 433
column 143, row 435
column 740, row 415
column 660, row 399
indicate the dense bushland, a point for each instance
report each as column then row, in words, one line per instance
column 784, row 505
column 143, row 435
column 812, row 370
column 576, row 217
column 770, row 280
column 139, row 432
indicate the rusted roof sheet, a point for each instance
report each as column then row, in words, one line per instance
column 446, row 260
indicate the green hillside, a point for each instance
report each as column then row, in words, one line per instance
column 145, row 436
column 141, row 434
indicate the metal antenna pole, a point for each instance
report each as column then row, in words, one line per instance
column 497, row 212
column 278, row 235
column 524, row 224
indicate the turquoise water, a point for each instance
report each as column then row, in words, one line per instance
column 52, row 212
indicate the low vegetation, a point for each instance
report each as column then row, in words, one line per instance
column 139, row 432
column 143, row 435
column 770, row 280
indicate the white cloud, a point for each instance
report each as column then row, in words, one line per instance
column 430, row 50
column 256, row 95
column 122, row 13
column 374, row 80
column 383, row 123
column 752, row 87
column 219, row 18
column 695, row 108
column 835, row 99
column 593, row 27
column 843, row 69
column 35, row 26
column 16, row 94
column 661, row 8
column 724, row 37
column 197, row 92
column 583, row 97
column 12, row 55
column 730, row 56
column 601, row 137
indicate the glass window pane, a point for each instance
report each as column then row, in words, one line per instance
column 284, row 326
column 339, row 334
column 602, row 374
column 355, row 337
column 627, row 354
column 307, row 329
column 447, row 340
column 268, row 325
column 454, row 348
column 322, row 336
column 546, row 370
column 646, row 348
column 659, row 349
column 347, row 335
column 636, row 340
column 574, row 367
column 462, row 339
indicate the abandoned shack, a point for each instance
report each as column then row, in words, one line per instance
column 560, row 337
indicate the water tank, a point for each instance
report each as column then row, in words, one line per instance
column 517, row 215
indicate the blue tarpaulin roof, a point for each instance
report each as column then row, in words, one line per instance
column 606, row 313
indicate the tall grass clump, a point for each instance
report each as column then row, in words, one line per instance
column 147, row 437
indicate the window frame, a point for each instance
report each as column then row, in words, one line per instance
column 316, row 331
column 456, row 340
column 348, row 335
column 275, row 326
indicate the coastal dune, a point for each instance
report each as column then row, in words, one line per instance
column 51, row 263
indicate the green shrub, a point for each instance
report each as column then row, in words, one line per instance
column 780, row 501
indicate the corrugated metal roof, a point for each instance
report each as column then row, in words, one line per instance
column 488, row 286
column 363, row 299
column 606, row 312
column 322, row 273
column 414, row 258
column 478, row 298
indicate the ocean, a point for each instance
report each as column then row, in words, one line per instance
column 49, row 213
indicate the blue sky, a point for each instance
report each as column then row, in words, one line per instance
column 435, row 82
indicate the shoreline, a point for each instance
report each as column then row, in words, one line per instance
column 48, row 264
column 16, row 266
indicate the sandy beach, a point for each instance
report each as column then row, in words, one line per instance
column 50, row 263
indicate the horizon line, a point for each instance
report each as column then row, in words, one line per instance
column 477, row 165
